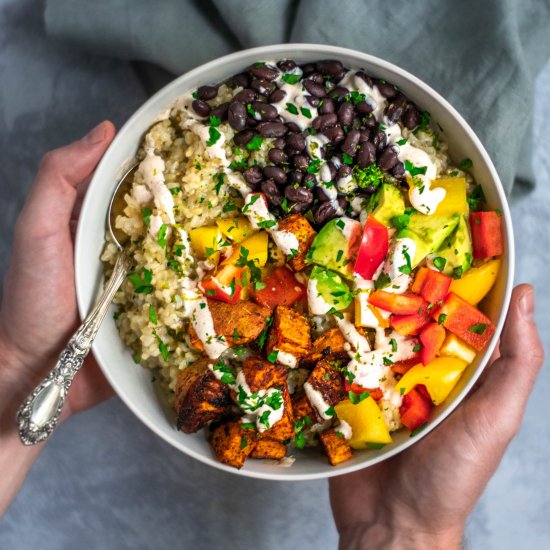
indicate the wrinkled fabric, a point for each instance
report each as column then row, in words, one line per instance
column 481, row 56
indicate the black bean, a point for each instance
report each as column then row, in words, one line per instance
column 299, row 207
column 335, row 134
column 364, row 77
column 245, row 96
column 275, row 173
column 253, row 175
column 314, row 88
column 201, row 107
column 301, row 162
column 271, row 191
column 310, row 180
column 344, row 171
column 317, row 78
column 242, row 138
column 394, row 111
column 349, row 146
column 379, row 140
column 295, row 176
column 370, row 121
column 221, row 111
column 293, row 127
column 272, row 129
column 313, row 101
column 251, row 122
column 262, row 86
column 330, row 67
column 237, row 116
column 363, row 107
column 276, row 96
column 388, row 159
column 324, row 212
column 344, row 204
column 264, row 110
column 279, row 143
column 386, row 89
column 308, row 68
column 322, row 122
column 332, row 170
column 338, row 92
column 327, row 106
column 298, row 194
column 365, row 136
column 320, row 195
column 366, row 154
column 411, row 118
column 398, row 171
column 241, row 80
column 286, row 65
column 207, row 92
column 277, row 156
column 296, row 141
column 346, row 114
column 264, row 71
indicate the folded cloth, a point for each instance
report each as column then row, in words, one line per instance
column 482, row 56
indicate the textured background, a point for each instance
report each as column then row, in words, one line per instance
column 105, row 481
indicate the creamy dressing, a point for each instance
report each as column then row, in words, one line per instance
column 295, row 94
column 315, row 144
column 347, row 185
column 317, row 401
column 316, row 303
column 372, row 94
column 203, row 323
column 358, row 342
column 286, row 359
column 351, row 227
column 400, row 258
column 285, row 240
column 344, row 428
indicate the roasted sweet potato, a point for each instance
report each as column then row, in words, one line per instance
column 304, row 233
column 268, row 448
column 335, row 446
column 232, row 443
column 328, row 346
column 200, row 397
column 329, row 381
column 301, row 407
column 284, row 428
column 238, row 323
column 262, row 375
column 289, row 333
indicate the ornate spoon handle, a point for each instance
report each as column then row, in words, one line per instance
column 39, row 413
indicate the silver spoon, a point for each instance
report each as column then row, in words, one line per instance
column 39, row 413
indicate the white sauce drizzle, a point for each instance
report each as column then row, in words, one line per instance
column 287, row 359
column 344, row 428
column 203, row 323
column 317, row 401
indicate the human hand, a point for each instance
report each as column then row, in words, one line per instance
column 422, row 497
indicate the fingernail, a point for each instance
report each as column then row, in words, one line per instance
column 95, row 135
column 527, row 304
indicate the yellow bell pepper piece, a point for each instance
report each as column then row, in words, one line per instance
column 256, row 245
column 455, row 196
column 235, row 229
column 366, row 421
column 440, row 377
column 474, row 285
column 453, row 346
column 205, row 241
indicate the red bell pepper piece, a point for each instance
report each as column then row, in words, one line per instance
column 375, row 393
column 432, row 285
column 465, row 320
column 486, row 234
column 400, row 304
column 281, row 289
column 409, row 325
column 415, row 408
column 225, row 285
column 401, row 367
column 373, row 248
column 432, row 338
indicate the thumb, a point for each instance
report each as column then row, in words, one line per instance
column 50, row 203
column 504, row 392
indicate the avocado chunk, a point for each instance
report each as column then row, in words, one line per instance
column 336, row 245
column 386, row 203
column 428, row 233
column 330, row 287
column 456, row 250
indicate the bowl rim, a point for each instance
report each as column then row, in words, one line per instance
column 266, row 52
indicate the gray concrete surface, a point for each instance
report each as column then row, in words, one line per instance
column 105, row 481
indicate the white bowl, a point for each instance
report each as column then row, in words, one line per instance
column 133, row 383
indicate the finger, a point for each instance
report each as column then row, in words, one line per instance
column 504, row 393
column 50, row 203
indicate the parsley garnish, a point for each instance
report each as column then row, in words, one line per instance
column 255, row 143
column 439, row 262
column 267, row 224
column 465, row 164
column 347, row 159
column 330, row 411
column 393, row 344
column 441, row 318
column 357, row 398
column 414, row 170
column 161, row 238
column 417, row 348
column 152, row 315
column 291, row 78
column 291, row 108
column 305, row 112
column 272, row 357
column 371, row 176
column 382, row 282
column 146, row 212
column 478, row 328
column 162, row 347
column 142, row 284
column 476, row 198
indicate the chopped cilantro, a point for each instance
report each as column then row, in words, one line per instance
column 162, row 347
column 371, row 176
column 393, row 344
column 417, row 348
column 402, row 141
column 161, row 237
column 146, row 212
column 305, row 112
column 219, row 184
column 141, row 283
column 357, row 398
column 244, row 442
column 291, row 108
column 347, row 159
column 152, row 314
column 214, row 135
column 439, row 262
column 330, row 411
column 414, row 170
column 457, row 272
column 478, row 328
column 174, row 191
column 272, row 357
column 291, row 78
column 466, row 164
column 267, row 224
column 255, row 143
column 382, row 282
column 441, row 318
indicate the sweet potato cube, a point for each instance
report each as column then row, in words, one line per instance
column 268, row 448
column 301, row 407
column 328, row 381
column 284, row 428
column 329, row 346
column 289, row 333
column 232, row 443
column 262, row 375
column 200, row 397
column 335, row 446
column 304, row 233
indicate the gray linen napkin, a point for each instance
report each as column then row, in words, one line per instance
column 482, row 56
